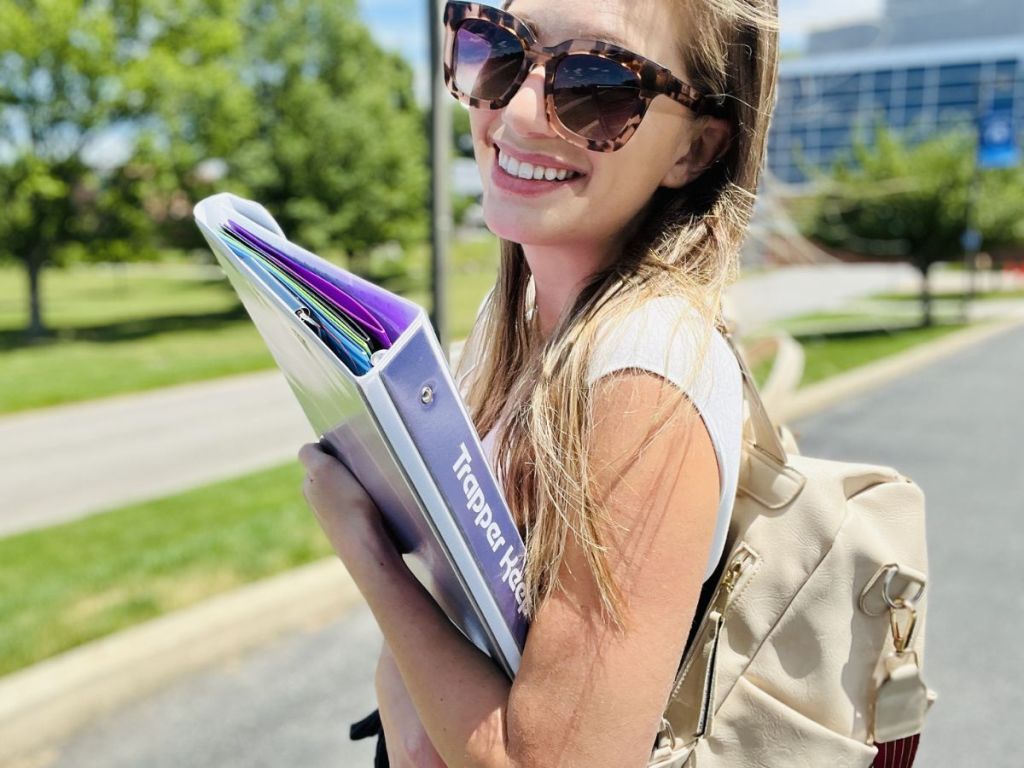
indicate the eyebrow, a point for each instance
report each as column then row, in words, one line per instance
column 584, row 34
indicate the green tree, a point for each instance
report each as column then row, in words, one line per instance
column 75, row 72
column 339, row 151
column 293, row 101
column 896, row 201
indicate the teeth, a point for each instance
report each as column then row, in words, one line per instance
column 530, row 171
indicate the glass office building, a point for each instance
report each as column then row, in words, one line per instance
column 922, row 68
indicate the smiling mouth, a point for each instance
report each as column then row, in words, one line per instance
column 514, row 169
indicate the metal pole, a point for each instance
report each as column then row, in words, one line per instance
column 440, row 207
column 974, row 246
column 969, row 246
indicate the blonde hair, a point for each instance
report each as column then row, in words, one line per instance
column 686, row 244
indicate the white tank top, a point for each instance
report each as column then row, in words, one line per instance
column 644, row 340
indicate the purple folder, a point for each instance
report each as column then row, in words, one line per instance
column 367, row 319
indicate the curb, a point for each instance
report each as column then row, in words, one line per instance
column 45, row 703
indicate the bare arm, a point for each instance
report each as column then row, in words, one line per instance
column 407, row 742
column 586, row 694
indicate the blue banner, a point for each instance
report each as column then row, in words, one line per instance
column 997, row 142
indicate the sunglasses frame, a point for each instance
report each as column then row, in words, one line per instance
column 653, row 78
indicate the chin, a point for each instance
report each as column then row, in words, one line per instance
column 526, row 227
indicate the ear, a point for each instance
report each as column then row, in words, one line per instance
column 709, row 140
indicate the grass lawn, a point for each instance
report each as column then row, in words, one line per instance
column 122, row 330
column 63, row 586
column 837, row 342
column 901, row 317
column 829, row 355
column 119, row 331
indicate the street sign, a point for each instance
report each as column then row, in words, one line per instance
column 970, row 240
column 997, row 142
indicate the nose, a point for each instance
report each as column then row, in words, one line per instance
column 525, row 113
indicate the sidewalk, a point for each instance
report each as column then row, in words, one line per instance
column 64, row 463
column 766, row 297
column 67, row 462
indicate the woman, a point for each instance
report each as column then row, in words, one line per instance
column 609, row 402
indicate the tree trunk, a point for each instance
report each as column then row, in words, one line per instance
column 35, row 328
column 926, row 295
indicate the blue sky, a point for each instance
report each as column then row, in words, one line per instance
column 401, row 25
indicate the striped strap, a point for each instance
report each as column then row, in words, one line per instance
column 897, row 754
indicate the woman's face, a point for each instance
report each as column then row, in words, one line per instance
column 594, row 209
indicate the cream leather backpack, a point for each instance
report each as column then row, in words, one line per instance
column 808, row 652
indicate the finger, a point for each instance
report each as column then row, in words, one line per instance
column 312, row 456
column 329, row 484
column 309, row 454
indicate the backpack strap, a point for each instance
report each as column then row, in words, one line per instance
column 765, row 473
column 766, row 437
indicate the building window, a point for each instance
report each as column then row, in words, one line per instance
column 841, row 106
column 959, row 74
column 1003, row 101
column 958, row 96
column 1008, row 68
column 840, row 84
column 916, row 77
column 835, row 137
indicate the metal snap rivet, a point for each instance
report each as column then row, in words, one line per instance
column 426, row 395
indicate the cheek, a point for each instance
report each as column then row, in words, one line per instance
column 653, row 149
column 480, row 125
column 480, row 121
column 625, row 180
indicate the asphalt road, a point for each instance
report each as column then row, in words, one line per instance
column 954, row 427
column 289, row 704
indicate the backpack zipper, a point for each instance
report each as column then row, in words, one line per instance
column 738, row 571
column 736, row 574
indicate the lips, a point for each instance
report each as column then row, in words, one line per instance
column 520, row 187
column 536, row 172
column 534, row 158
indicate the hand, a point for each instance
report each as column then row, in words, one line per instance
column 407, row 741
column 346, row 513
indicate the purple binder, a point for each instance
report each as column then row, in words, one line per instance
column 401, row 428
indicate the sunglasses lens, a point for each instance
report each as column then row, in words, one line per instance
column 595, row 97
column 487, row 59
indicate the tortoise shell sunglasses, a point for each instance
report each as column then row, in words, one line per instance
column 595, row 93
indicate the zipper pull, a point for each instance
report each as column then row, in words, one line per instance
column 738, row 567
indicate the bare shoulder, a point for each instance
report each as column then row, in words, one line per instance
column 587, row 692
column 645, row 426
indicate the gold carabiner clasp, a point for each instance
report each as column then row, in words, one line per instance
column 902, row 637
